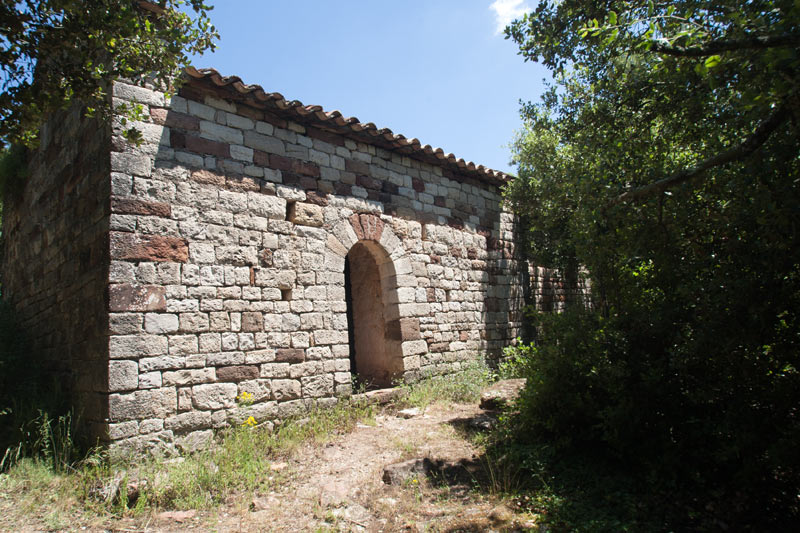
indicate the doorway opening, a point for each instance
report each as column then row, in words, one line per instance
column 376, row 360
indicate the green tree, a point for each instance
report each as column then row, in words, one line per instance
column 665, row 158
column 55, row 51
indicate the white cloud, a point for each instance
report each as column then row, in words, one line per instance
column 507, row 10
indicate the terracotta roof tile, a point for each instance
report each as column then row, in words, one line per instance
column 348, row 126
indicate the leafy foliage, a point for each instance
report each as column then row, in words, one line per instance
column 665, row 159
column 54, row 51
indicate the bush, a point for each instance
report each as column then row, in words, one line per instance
column 696, row 439
column 515, row 360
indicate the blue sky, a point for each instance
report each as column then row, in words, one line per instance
column 437, row 70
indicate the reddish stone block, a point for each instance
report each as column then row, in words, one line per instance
column 308, row 183
column 439, row 201
column 372, row 227
column 359, row 167
column 173, row 119
column 290, row 178
column 207, row 146
column 317, row 198
column 418, row 184
column 206, row 176
column 133, row 247
column 355, row 221
column 305, row 168
column 260, row 158
column 126, row 206
column 237, row 373
column 455, row 252
column 343, row 189
column 438, row 347
column 431, row 294
column 126, row 297
column 290, row 355
column 280, row 162
column 368, row 182
column 252, row 321
column 242, row 183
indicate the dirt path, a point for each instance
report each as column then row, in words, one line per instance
column 336, row 487
column 339, row 487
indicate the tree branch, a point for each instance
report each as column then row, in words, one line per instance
column 741, row 150
column 715, row 47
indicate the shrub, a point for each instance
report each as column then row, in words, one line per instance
column 697, row 439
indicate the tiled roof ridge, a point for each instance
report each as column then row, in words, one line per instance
column 337, row 121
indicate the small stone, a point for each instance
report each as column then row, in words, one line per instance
column 502, row 394
column 501, row 515
column 177, row 516
column 409, row 413
column 398, row 473
column 482, row 422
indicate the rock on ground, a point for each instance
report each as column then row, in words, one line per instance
column 502, row 394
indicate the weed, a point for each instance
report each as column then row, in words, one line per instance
column 46, row 437
column 502, row 474
column 407, row 448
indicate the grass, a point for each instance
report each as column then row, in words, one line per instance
column 240, row 463
column 461, row 387
column 238, row 467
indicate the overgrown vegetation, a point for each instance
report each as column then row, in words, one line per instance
column 666, row 161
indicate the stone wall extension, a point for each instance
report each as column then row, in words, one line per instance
column 56, row 262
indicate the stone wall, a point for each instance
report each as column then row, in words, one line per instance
column 55, row 260
column 229, row 231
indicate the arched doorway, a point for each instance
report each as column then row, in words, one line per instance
column 376, row 359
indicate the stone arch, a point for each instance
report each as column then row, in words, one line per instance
column 383, row 268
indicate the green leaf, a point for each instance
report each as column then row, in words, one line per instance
column 712, row 61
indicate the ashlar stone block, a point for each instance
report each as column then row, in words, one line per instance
column 123, row 376
column 214, row 396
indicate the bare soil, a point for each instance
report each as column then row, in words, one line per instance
column 339, row 487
